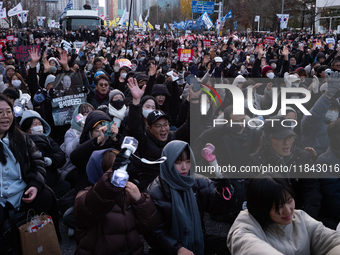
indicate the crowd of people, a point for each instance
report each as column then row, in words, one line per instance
column 66, row 162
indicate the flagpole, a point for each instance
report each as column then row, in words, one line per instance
column 127, row 39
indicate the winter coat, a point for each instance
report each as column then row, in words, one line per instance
column 207, row 200
column 307, row 190
column 49, row 148
column 313, row 127
column 109, row 225
column 330, row 186
column 304, row 236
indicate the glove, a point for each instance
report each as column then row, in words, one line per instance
column 48, row 161
column 38, row 98
column 82, row 61
column 121, row 160
column 333, row 83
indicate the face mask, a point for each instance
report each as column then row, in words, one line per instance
column 146, row 112
column 92, row 33
column 332, row 115
column 157, row 59
column 116, row 69
column 141, row 59
column 37, row 130
column 303, row 80
column 270, row 75
column 133, row 68
column 16, row 84
column 123, row 75
column 118, row 104
column 236, row 128
column 274, row 66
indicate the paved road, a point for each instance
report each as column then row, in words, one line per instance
column 68, row 244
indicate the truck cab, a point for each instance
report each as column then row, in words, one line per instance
column 75, row 18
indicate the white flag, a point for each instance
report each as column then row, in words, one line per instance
column 147, row 16
column 3, row 13
column 140, row 21
column 158, row 27
column 122, row 19
column 257, row 18
column 17, row 9
column 24, row 16
column 1, row 5
column 283, row 20
column 52, row 23
column 41, row 20
column 56, row 25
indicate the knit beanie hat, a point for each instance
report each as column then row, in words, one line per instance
column 265, row 70
column 115, row 92
column 49, row 79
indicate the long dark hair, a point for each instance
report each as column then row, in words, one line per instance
column 263, row 193
column 16, row 139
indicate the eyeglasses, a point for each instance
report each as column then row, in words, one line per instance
column 159, row 126
column 8, row 113
column 103, row 84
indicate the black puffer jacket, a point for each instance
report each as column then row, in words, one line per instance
column 32, row 170
column 49, row 148
column 307, row 191
column 207, row 200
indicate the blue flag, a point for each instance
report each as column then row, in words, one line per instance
column 68, row 7
column 181, row 25
column 166, row 26
column 227, row 16
column 176, row 25
column 207, row 20
column 235, row 25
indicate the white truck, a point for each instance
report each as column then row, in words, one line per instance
column 75, row 18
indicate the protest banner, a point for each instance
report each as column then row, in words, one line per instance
column 22, row 54
column 123, row 62
column 77, row 44
column 191, row 38
column 10, row 37
column 206, row 43
column 270, row 40
column 185, row 55
column 102, row 39
column 69, row 93
column 330, row 43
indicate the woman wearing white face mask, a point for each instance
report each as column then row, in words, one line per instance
column 54, row 157
column 18, row 82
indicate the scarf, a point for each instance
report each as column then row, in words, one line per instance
column 100, row 97
column 118, row 115
column 186, row 220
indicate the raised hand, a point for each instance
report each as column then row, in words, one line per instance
column 136, row 92
column 63, row 60
column 35, row 56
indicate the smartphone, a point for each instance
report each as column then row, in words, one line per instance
column 191, row 79
column 108, row 124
